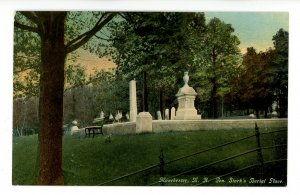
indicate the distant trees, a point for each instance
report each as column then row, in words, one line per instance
column 280, row 70
column 25, row 116
column 106, row 93
column 253, row 86
column 263, row 78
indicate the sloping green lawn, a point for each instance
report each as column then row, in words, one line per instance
column 92, row 161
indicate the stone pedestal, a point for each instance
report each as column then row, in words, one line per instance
column 186, row 109
column 144, row 122
column 132, row 101
column 186, row 98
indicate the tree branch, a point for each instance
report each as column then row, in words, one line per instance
column 105, row 39
column 126, row 16
column 83, row 38
column 84, row 34
column 25, row 27
column 31, row 16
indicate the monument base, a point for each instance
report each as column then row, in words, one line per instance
column 144, row 122
column 187, row 114
column 188, row 117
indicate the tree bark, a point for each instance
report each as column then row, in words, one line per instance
column 257, row 113
column 161, row 103
column 282, row 105
column 266, row 112
column 73, row 116
column 214, row 102
column 145, row 92
column 53, row 57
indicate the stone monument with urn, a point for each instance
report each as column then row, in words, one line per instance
column 186, row 98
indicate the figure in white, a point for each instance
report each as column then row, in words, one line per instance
column 74, row 127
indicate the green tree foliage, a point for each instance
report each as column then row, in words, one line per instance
column 111, row 92
column 263, row 78
column 56, row 41
column 280, row 70
column 27, row 58
column 254, row 82
column 155, row 48
column 27, row 61
column 163, row 45
column 222, row 59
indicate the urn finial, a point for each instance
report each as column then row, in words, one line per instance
column 186, row 78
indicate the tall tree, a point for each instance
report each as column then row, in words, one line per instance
column 220, row 46
column 50, row 28
column 280, row 67
column 253, row 86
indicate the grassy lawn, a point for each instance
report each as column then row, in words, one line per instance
column 92, row 161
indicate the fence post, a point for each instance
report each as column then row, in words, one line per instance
column 161, row 165
column 260, row 158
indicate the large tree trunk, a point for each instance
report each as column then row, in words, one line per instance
column 214, row 102
column 266, row 112
column 73, row 116
column 161, row 104
column 145, row 93
column 257, row 113
column 282, row 105
column 53, row 57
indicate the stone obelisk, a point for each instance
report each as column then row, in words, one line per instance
column 132, row 101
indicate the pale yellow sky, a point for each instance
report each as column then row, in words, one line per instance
column 92, row 62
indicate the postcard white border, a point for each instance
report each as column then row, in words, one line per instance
column 7, row 9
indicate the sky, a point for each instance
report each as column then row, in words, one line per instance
column 254, row 28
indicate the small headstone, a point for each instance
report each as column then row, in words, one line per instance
column 158, row 113
column 118, row 116
column 101, row 115
column 173, row 113
column 127, row 116
column 167, row 117
column 144, row 122
column 252, row 116
column 111, row 117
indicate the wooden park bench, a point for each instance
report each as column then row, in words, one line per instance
column 93, row 129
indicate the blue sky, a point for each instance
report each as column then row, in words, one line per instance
column 254, row 28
